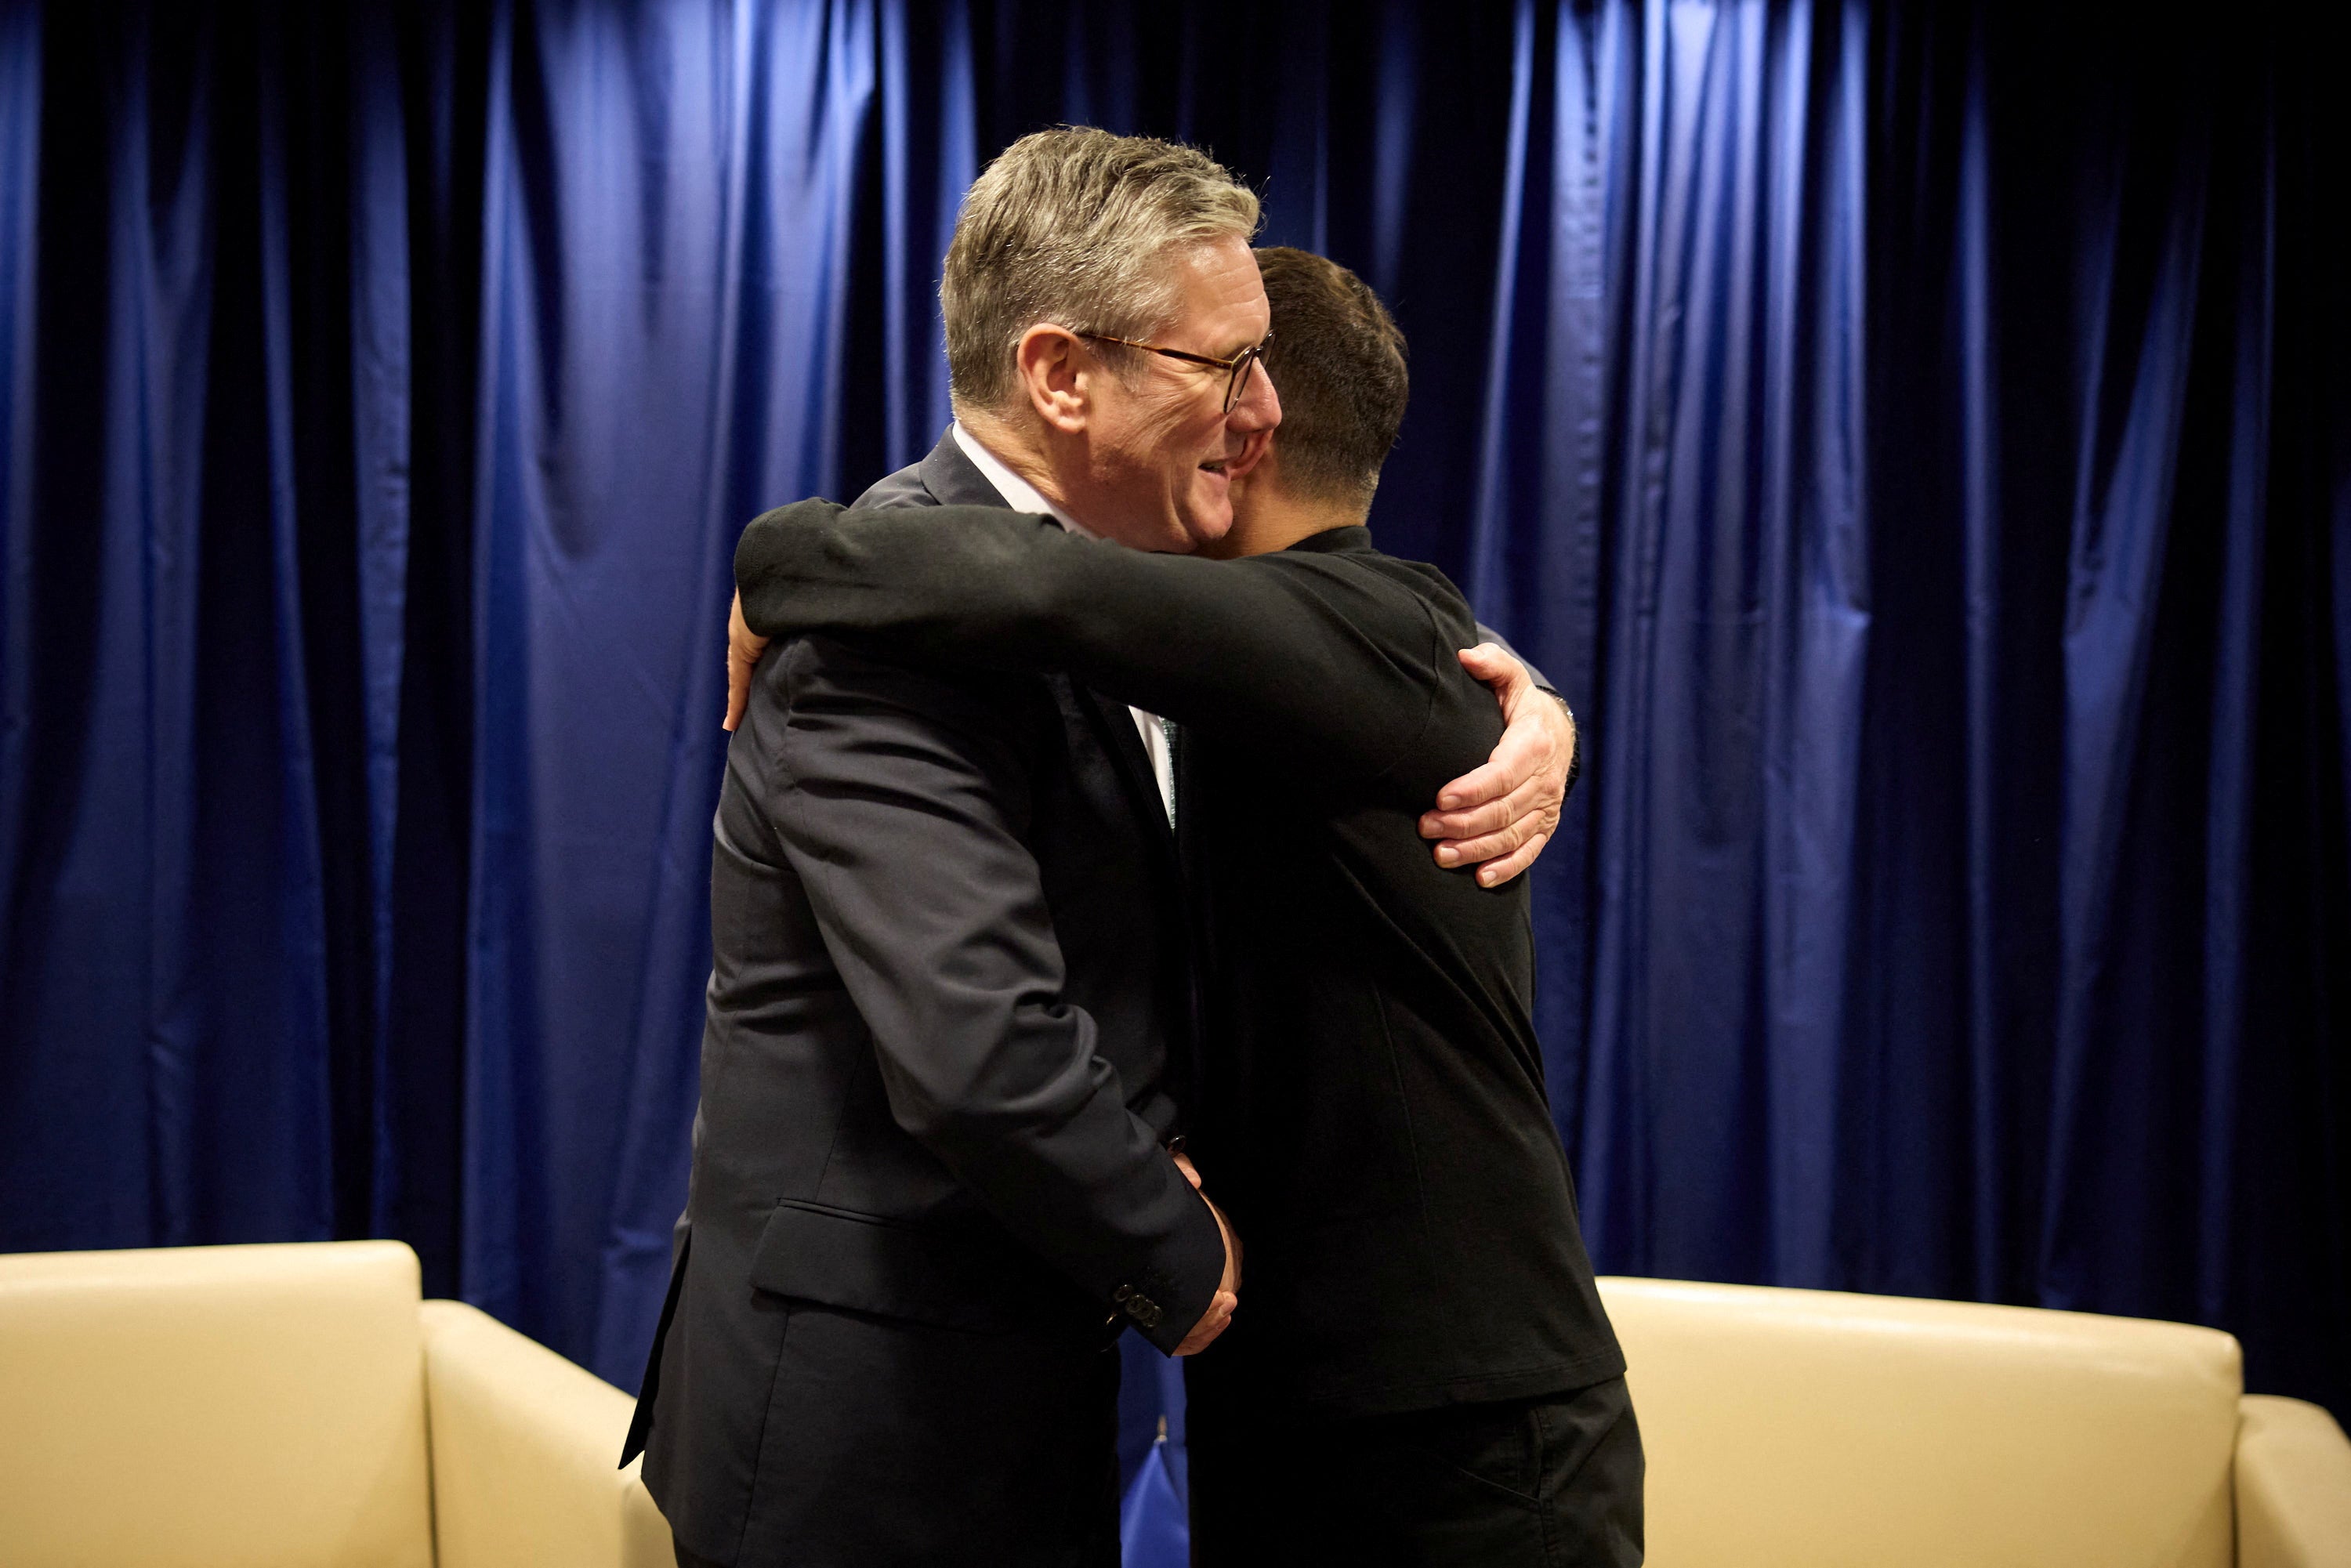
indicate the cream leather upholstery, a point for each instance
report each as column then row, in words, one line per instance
column 523, row 1449
column 276, row 1407
column 267, row 1408
column 1815, row 1429
column 183, row 1408
column 2293, row 1486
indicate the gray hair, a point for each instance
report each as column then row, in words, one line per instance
column 1077, row 227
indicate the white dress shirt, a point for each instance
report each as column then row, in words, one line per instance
column 1022, row 497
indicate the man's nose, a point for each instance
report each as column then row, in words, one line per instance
column 1259, row 407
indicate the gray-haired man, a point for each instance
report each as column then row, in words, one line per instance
column 953, row 1008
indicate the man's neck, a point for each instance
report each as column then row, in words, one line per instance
column 1271, row 518
column 1019, row 450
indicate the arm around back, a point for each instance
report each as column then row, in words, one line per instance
column 1333, row 662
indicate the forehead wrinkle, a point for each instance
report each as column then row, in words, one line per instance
column 1214, row 284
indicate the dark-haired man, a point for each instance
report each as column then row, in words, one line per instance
column 1424, row 1372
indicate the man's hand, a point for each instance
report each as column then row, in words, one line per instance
column 1503, row 813
column 1229, row 1291
column 744, row 647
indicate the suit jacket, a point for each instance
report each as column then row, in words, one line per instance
column 950, row 982
column 1370, row 1106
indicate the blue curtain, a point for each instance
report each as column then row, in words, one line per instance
column 1921, row 442
column 1917, row 442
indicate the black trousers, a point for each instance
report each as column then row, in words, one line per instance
column 891, row 1445
column 1555, row 1479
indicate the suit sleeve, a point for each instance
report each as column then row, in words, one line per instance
column 899, row 798
column 1542, row 683
column 1344, row 675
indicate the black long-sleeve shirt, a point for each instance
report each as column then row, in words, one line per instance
column 1369, row 1102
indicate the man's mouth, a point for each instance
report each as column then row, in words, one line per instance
column 1213, row 465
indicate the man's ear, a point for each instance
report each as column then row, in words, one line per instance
column 1053, row 372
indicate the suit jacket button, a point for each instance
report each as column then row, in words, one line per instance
column 1122, row 1292
column 1142, row 1310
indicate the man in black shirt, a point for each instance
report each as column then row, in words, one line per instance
column 1423, row 1372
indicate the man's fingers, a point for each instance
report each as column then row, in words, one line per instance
column 1500, row 817
column 1519, row 757
column 1524, row 753
column 1532, row 807
column 741, row 662
column 1489, row 780
column 1503, row 838
column 743, row 650
column 1455, row 853
column 1227, row 1294
column 1491, row 818
column 1487, row 663
column 738, row 693
column 1232, row 1280
column 1495, row 872
column 1212, row 1322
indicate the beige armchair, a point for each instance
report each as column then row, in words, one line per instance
column 1810, row 1429
column 296, row 1406
column 274, row 1406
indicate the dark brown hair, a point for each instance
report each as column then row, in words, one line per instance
column 1338, row 361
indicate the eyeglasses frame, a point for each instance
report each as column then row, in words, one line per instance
column 1238, row 366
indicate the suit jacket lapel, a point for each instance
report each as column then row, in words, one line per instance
column 952, row 478
column 956, row 481
column 1114, row 722
column 1113, row 726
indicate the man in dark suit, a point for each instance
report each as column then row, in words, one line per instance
column 1425, row 1372
column 953, row 1002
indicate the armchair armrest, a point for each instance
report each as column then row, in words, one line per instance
column 2293, row 1486
column 524, row 1450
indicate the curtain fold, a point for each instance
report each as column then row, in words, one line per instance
column 668, row 220
column 1885, row 440
column 1916, row 441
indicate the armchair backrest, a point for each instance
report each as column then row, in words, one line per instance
column 1809, row 1428
column 262, row 1405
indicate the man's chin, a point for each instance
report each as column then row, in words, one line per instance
column 1202, row 534
column 1209, row 518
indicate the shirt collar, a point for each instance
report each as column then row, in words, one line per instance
column 1018, row 493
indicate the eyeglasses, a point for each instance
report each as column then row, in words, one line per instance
column 1237, row 367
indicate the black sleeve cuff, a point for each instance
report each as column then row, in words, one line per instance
column 1175, row 1291
column 1576, row 758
